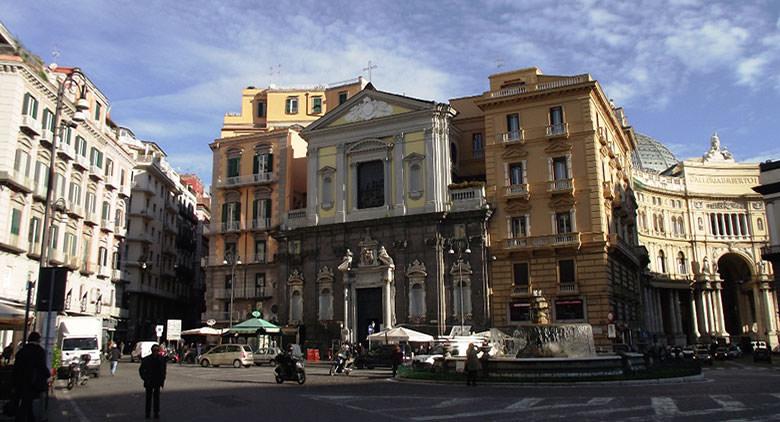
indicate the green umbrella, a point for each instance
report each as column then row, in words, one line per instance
column 254, row 326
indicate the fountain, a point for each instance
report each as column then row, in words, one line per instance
column 544, row 340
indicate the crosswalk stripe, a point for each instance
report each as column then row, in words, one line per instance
column 524, row 403
column 664, row 406
column 599, row 401
column 727, row 402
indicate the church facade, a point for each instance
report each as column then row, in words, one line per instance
column 385, row 238
column 704, row 227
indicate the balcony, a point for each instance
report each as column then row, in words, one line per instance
column 511, row 137
column 144, row 188
column 296, row 218
column 247, row 179
column 567, row 288
column 104, row 271
column 111, row 182
column 34, row 249
column 116, row 275
column 517, row 191
column 558, row 130
column 770, row 253
column 87, row 267
column 91, row 218
column 46, row 137
column 39, row 191
column 559, row 83
column 259, row 259
column 75, row 210
column 467, row 198
column 56, row 256
column 16, row 180
column 11, row 242
column 96, row 172
column 65, row 150
column 81, row 162
column 30, row 126
column 146, row 215
column 120, row 230
column 602, row 135
column 124, row 191
column 73, row 262
column 561, row 186
column 107, row 225
column 229, row 226
column 242, row 293
column 140, row 237
column 521, row 290
column 261, row 224
column 553, row 240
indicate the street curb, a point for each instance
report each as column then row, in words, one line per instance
column 676, row 380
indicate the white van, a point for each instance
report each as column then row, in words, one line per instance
column 81, row 336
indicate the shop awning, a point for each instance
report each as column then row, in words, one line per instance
column 202, row 331
column 11, row 318
column 398, row 334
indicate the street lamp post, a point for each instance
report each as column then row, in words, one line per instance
column 461, row 252
column 232, row 259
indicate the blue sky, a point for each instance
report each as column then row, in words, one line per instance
column 681, row 68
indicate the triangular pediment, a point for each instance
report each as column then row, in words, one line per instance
column 562, row 203
column 558, row 146
column 369, row 104
column 514, row 153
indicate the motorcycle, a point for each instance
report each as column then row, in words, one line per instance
column 342, row 364
column 289, row 369
column 77, row 372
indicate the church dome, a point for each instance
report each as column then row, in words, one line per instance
column 651, row 155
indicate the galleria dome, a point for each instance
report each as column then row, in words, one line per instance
column 651, row 155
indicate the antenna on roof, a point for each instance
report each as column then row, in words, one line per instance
column 369, row 68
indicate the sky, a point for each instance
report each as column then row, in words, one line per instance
column 682, row 69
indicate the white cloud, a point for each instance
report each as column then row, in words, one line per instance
column 749, row 70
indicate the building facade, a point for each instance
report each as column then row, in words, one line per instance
column 91, row 187
column 704, row 228
column 200, row 241
column 559, row 179
column 259, row 174
column 385, row 238
column 160, row 255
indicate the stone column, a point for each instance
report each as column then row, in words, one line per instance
column 659, row 311
column 770, row 314
column 694, row 318
column 702, row 307
column 400, row 170
column 389, row 300
column 678, row 311
column 718, row 296
column 340, row 184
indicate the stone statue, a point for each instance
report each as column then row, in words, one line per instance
column 705, row 266
column 346, row 262
column 384, row 258
column 367, row 257
column 540, row 308
column 762, row 267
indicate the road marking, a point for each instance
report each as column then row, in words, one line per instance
column 599, row 401
column 775, row 395
column 76, row 409
column 525, row 403
column 727, row 402
column 453, row 402
column 664, row 406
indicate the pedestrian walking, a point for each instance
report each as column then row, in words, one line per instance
column 8, row 351
column 114, row 354
column 152, row 371
column 472, row 365
column 397, row 358
column 30, row 377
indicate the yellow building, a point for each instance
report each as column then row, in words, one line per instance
column 704, row 227
column 558, row 172
column 259, row 174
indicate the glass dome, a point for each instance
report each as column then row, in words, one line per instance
column 651, row 155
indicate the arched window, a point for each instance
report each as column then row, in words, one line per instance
column 682, row 266
column 296, row 307
column 417, row 301
column 661, row 262
column 326, row 305
column 655, row 222
column 682, row 226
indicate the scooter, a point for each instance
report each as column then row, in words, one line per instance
column 289, row 369
column 78, row 371
column 342, row 364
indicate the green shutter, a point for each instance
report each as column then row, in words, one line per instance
column 270, row 167
column 255, row 164
column 224, row 212
column 16, row 219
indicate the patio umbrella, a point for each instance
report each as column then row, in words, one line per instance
column 10, row 317
column 202, row 331
column 254, row 326
column 398, row 334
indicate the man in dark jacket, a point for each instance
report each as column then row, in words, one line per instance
column 30, row 375
column 152, row 371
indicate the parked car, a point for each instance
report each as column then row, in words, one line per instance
column 237, row 355
column 721, row 353
column 688, row 352
column 266, row 355
column 378, row 356
column 702, row 354
column 734, row 352
column 141, row 350
column 761, row 352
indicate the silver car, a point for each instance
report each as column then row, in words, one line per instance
column 237, row 355
column 267, row 355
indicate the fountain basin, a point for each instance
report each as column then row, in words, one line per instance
column 552, row 341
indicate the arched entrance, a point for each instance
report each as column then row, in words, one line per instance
column 735, row 271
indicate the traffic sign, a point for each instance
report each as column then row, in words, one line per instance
column 211, row 322
column 174, row 329
column 256, row 314
column 159, row 329
column 611, row 332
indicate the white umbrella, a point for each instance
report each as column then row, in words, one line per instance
column 398, row 334
column 202, row 331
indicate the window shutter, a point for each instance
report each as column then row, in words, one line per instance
column 267, row 208
column 224, row 212
column 528, row 224
column 255, row 209
column 568, row 166
column 270, row 167
column 550, row 171
column 256, row 164
column 508, row 177
column 237, row 211
column 525, row 171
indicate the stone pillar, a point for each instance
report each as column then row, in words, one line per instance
column 678, row 311
column 340, row 184
column 758, row 317
column 718, row 296
column 694, row 318
column 770, row 315
column 389, row 300
column 702, row 307
column 659, row 319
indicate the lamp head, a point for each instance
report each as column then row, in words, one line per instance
column 82, row 104
column 238, row 262
column 224, row 262
column 468, row 250
column 79, row 117
column 451, row 251
column 143, row 265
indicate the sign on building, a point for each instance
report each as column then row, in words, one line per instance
column 174, row 329
column 159, row 330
